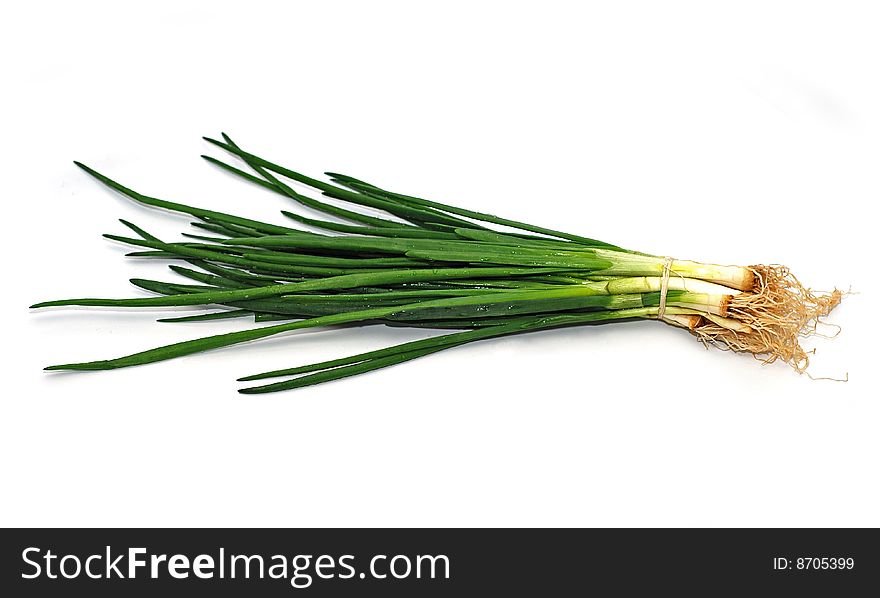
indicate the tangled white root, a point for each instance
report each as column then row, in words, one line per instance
column 778, row 312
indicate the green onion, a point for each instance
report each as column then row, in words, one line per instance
column 426, row 264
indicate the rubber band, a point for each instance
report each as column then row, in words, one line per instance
column 664, row 286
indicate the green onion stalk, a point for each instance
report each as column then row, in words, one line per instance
column 428, row 264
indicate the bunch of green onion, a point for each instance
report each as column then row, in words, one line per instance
column 434, row 265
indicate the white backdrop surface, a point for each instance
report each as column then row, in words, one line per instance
column 742, row 133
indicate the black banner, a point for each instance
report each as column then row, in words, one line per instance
column 437, row 562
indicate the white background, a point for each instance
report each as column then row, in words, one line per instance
column 730, row 133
